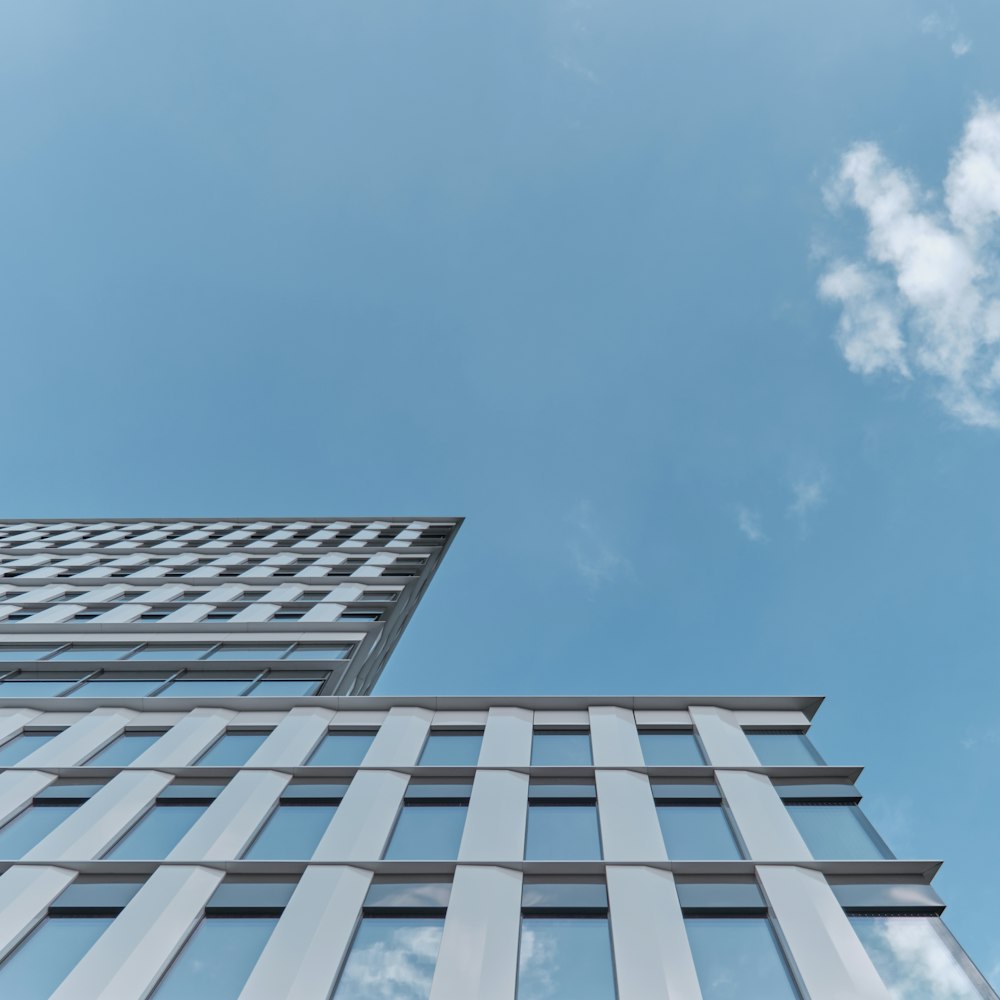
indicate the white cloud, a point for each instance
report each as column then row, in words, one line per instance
column 946, row 30
column 923, row 303
column 594, row 556
column 808, row 493
column 749, row 523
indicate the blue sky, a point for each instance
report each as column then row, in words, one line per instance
column 712, row 384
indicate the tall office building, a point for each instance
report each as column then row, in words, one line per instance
column 200, row 798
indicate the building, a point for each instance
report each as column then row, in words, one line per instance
column 191, row 808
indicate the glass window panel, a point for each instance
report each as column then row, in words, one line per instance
column 562, row 833
column 48, row 955
column 248, row 653
column 93, row 653
column 206, row 687
column 30, row 827
column 122, row 751
column 171, row 652
column 427, row 833
column 561, row 750
column 15, row 750
column 317, row 652
column 784, row 749
column 914, row 960
column 232, row 750
column 217, row 959
column 666, row 749
column 697, row 833
column 13, row 653
column 737, row 958
column 291, row 833
column 344, row 749
column 127, row 687
column 452, row 749
column 157, row 833
column 279, row 688
column 565, row 958
column 837, row 833
column 33, row 688
column 392, row 958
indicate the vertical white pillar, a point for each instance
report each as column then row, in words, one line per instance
column 497, row 817
column 17, row 789
column 102, row 819
column 364, row 820
column 507, row 738
column 478, row 956
column 25, row 895
column 187, row 740
column 630, row 830
column 294, row 738
column 13, row 720
column 130, row 956
column 722, row 738
column 232, row 820
column 614, row 738
column 763, row 823
column 400, row 738
column 81, row 740
column 303, row 955
column 652, row 957
column 830, row 959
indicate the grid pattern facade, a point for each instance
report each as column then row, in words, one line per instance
column 115, row 597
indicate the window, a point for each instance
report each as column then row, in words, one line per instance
column 10, row 654
column 47, row 810
column 396, row 945
column 15, row 750
column 430, row 824
column 565, row 951
column 452, row 748
column 233, row 748
column 176, row 809
column 300, row 819
column 561, row 748
column 917, row 958
column 191, row 685
column 670, row 748
column 835, row 831
column 155, row 652
column 694, row 823
column 126, row 748
column 562, row 822
column 275, row 687
column 93, row 653
column 232, row 652
column 316, row 651
column 220, row 954
column 34, row 687
column 117, row 687
column 778, row 748
column 342, row 748
column 738, row 958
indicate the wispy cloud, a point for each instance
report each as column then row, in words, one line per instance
column 749, row 522
column 923, row 302
column 946, row 30
column 808, row 493
column 594, row 556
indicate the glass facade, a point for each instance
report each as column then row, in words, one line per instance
column 562, row 833
column 838, row 832
column 157, row 833
column 569, row 748
column 666, row 748
column 124, row 750
column 342, row 749
column 232, row 749
column 565, row 958
column 28, row 828
column 427, row 833
column 292, row 832
column 697, row 832
column 789, row 749
column 451, row 749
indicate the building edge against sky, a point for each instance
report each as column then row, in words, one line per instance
column 195, row 777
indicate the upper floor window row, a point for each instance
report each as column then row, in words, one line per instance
column 216, row 651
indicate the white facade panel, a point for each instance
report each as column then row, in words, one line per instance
column 629, row 827
column 507, row 738
column 497, row 817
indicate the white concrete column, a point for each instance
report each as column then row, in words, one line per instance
column 303, row 955
column 630, row 830
column 13, row 720
column 722, row 738
column 17, row 788
column 364, row 820
column 132, row 954
column 81, row 740
column 102, row 819
column 25, row 895
column 400, row 738
column 830, row 959
column 294, row 738
column 652, row 956
column 233, row 819
column 507, row 738
column 187, row 740
column 614, row 738
column 497, row 817
column 762, row 821
column 478, row 956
